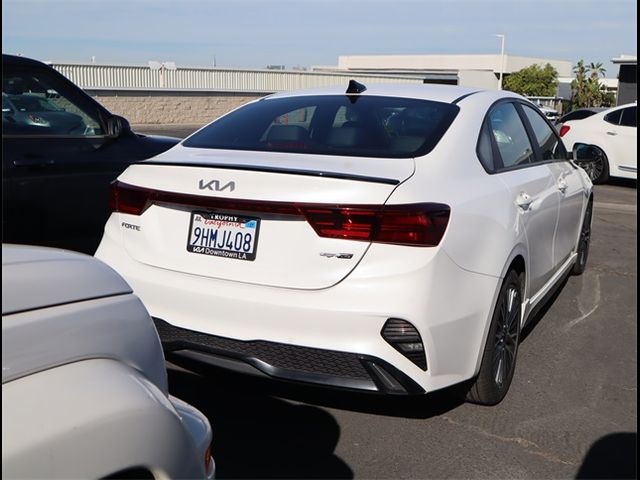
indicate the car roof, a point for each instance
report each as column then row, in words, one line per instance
column 625, row 105
column 607, row 110
column 20, row 60
column 434, row 92
column 38, row 277
column 586, row 109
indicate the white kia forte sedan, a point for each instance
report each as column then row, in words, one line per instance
column 389, row 238
column 612, row 138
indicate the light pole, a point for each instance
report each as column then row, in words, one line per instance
column 162, row 66
column 501, row 36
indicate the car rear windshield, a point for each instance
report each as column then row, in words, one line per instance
column 347, row 125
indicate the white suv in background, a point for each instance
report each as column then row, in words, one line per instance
column 612, row 138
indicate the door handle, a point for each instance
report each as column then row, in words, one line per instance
column 524, row 201
column 33, row 161
column 612, row 133
column 562, row 185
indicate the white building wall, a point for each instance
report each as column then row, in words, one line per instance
column 512, row 63
column 128, row 77
column 477, row 78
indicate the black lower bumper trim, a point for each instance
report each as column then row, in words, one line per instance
column 288, row 362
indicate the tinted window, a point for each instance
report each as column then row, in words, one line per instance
column 550, row 145
column 613, row 117
column 510, row 135
column 333, row 125
column 577, row 115
column 485, row 151
column 629, row 117
column 38, row 103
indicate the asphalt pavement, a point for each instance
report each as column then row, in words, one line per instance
column 571, row 411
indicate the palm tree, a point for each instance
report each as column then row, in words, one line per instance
column 586, row 89
column 597, row 91
column 596, row 69
column 580, row 95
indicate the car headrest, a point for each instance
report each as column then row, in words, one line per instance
column 287, row 133
column 349, row 137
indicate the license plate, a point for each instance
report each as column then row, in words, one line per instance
column 223, row 235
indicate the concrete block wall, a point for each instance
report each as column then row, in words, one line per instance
column 171, row 107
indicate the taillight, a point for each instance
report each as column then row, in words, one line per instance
column 208, row 460
column 129, row 199
column 564, row 129
column 418, row 224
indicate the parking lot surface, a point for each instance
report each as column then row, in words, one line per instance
column 571, row 410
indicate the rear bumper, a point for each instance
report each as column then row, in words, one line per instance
column 288, row 362
column 280, row 331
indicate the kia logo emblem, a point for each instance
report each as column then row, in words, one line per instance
column 215, row 185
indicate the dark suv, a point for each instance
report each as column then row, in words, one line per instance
column 61, row 150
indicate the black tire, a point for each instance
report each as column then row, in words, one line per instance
column 501, row 349
column 583, row 242
column 598, row 169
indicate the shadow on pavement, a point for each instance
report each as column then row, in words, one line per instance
column 623, row 182
column 612, row 456
column 260, row 431
column 543, row 307
column 258, row 436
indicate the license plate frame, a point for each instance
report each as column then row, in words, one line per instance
column 223, row 235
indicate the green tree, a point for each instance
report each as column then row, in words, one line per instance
column 596, row 70
column 533, row 81
column 579, row 88
column 586, row 88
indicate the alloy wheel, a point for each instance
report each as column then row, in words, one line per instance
column 506, row 337
column 583, row 242
column 597, row 167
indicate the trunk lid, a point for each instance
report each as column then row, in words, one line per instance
column 204, row 191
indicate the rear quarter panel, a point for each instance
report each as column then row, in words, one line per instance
column 484, row 229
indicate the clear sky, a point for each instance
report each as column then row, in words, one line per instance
column 255, row 33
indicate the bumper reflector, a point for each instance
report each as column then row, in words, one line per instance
column 405, row 338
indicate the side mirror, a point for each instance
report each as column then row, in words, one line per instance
column 582, row 153
column 117, row 126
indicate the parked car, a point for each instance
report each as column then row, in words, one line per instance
column 550, row 113
column 610, row 140
column 84, row 384
column 61, row 149
column 400, row 252
column 580, row 113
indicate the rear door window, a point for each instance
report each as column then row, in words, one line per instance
column 485, row 149
column 613, row 117
column 629, row 117
column 510, row 136
column 550, row 145
column 332, row 125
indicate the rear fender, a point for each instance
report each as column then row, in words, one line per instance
column 519, row 250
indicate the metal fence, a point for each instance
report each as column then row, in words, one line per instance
column 91, row 76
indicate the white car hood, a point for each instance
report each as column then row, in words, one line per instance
column 38, row 277
column 61, row 307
